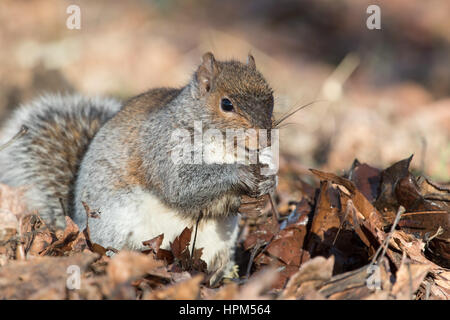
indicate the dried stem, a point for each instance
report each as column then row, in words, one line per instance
column 23, row 130
column 385, row 243
column 274, row 208
column 195, row 234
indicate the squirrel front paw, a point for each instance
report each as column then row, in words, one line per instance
column 267, row 185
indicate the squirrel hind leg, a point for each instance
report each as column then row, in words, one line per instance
column 218, row 239
column 223, row 265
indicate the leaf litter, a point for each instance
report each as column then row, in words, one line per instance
column 370, row 234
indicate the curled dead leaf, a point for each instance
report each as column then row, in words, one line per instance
column 126, row 266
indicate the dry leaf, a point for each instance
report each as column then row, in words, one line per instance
column 311, row 275
column 185, row 290
column 23, row 279
column 409, row 277
column 255, row 288
column 126, row 266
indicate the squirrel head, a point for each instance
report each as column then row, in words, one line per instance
column 234, row 94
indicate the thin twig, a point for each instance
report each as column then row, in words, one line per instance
column 255, row 249
column 385, row 243
column 195, row 235
column 427, row 290
column 439, row 231
column 427, row 239
column 424, row 212
column 274, row 208
column 349, row 207
column 437, row 197
column 423, row 153
column 410, row 280
column 20, row 251
column 23, row 130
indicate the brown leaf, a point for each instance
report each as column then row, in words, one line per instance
column 35, row 235
column 364, row 214
column 258, row 284
column 181, row 244
column 439, row 252
column 40, row 243
column 94, row 247
column 287, row 249
column 353, row 284
column 311, row 275
column 287, row 271
column 426, row 224
column 185, row 290
column 325, row 216
column 165, row 255
column 227, row 292
column 358, row 293
column 366, row 179
column 31, row 278
column 360, row 201
column 386, row 202
column 64, row 243
column 126, row 266
column 414, row 249
column 197, row 263
column 154, row 243
column 432, row 191
column 263, row 233
column 80, row 244
column 408, row 195
column 408, row 279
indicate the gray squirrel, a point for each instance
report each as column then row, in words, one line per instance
column 116, row 159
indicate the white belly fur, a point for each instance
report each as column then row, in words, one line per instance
column 141, row 216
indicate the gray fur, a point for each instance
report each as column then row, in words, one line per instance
column 126, row 172
column 22, row 163
column 188, row 188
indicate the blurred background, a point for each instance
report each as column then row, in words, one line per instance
column 378, row 95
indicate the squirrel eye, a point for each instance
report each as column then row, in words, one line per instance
column 226, row 105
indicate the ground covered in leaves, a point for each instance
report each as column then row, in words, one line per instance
column 370, row 234
column 378, row 95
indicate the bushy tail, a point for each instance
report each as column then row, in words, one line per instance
column 46, row 158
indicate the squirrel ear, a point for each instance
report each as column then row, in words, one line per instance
column 251, row 61
column 206, row 72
